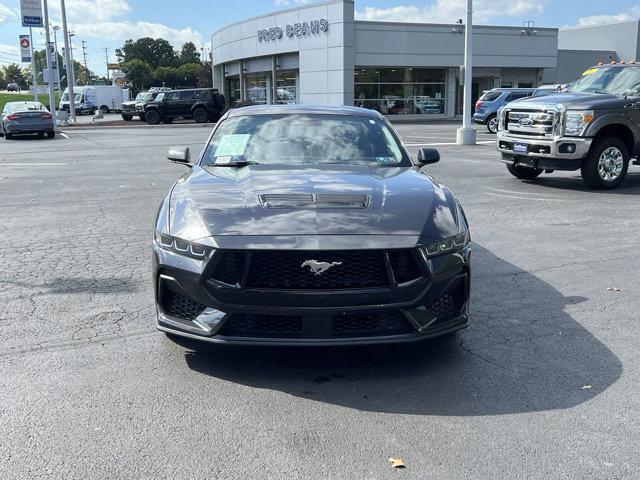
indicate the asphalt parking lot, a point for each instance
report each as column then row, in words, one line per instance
column 543, row 384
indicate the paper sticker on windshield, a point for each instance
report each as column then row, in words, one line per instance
column 232, row 145
column 589, row 71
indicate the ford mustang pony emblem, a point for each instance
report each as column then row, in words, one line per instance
column 318, row 268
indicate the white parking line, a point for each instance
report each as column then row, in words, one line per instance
column 482, row 142
column 62, row 134
column 525, row 198
column 53, row 164
column 513, row 192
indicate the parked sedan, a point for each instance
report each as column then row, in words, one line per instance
column 24, row 118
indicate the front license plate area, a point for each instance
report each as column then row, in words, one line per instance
column 519, row 147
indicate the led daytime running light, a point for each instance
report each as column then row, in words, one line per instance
column 182, row 247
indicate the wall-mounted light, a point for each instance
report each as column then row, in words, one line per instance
column 459, row 28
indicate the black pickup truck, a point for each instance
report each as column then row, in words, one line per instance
column 593, row 126
column 201, row 104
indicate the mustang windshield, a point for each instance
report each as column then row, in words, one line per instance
column 615, row 80
column 304, row 139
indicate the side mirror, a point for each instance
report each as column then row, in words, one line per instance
column 427, row 156
column 179, row 155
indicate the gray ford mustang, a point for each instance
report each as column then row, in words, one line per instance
column 303, row 225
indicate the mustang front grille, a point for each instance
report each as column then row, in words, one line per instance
column 315, row 270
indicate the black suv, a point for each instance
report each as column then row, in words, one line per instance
column 201, row 104
column 593, row 126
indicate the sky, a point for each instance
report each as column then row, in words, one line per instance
column 108, row 23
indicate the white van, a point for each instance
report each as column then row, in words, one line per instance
column 88, row 99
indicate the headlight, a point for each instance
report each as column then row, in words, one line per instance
column 576, row 122
column 501, row 125
column 182, row 247
column 447, row 245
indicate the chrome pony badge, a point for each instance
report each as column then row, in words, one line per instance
column 318, row 268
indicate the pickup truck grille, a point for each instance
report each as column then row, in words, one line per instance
column 541, row 123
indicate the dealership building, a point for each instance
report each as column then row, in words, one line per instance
column 320, row 54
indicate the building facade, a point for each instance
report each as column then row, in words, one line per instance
column 319, row 54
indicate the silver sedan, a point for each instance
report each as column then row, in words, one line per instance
column 26, row 118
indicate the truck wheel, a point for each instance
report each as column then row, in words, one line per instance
column 8, row 136
column 104, row 109
column 51, row 134
column 200, row 115
column 152, row 117
column 524, row 173
column 492, row 124
column 606, row 165
column 127, row 118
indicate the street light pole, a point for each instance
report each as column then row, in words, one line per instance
column 52, row 100
column 55, row 45
column 467, row 134
column 34, row 74
column 71, row 75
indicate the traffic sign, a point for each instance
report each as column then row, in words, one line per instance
column 25, row 48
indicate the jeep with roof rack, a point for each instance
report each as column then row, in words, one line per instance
column 592, row 126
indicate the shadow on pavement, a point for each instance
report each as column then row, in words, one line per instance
column 522, row 353
column 630, row 186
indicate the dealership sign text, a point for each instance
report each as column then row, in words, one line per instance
column 302, row 29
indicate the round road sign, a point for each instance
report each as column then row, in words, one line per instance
column 24, row 42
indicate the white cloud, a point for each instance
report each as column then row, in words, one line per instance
column 288, row 3
column 6, row 14
column 88, row 11
column 120, row 31
column 449, row 11
column 632, row 14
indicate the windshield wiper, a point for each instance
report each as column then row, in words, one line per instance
column 241, row 163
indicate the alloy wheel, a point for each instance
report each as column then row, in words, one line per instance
column 610, row 164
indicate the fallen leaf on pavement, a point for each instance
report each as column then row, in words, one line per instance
column 397, row 463
column 614, row 289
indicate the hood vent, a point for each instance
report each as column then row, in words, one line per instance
column 314, row 200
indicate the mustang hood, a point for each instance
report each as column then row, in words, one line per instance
column 263, row 200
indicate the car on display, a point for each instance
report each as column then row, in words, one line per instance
column 487, row 106
column 427, row 105
column 201, row 104
column 20, row 118
column 593, row 126
column 135, row 108
column 13, row 87
column 309, row 225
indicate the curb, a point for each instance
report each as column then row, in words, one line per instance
column 72, row 128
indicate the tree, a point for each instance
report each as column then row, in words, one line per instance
column 13, row 73
column 188, row 74
column 189, row 54
column 138, row 72
column 166, row 77
column 205, row 79
column 155, row 52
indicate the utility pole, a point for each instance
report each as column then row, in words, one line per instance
column 467, row 134
column 34, row 74
column 84, row 53
column 52, row 100
column 106, row 57
column 71, row 75
column 55, row 46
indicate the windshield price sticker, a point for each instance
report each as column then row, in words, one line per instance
column 232, row 145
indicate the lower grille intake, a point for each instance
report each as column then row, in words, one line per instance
column 345, row 325
column 179, row 306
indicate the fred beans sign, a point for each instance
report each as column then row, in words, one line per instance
column 302, row 29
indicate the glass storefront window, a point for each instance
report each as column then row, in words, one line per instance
column 233, row 87
column 401, row 91
column 256, row 89
column 287, row 87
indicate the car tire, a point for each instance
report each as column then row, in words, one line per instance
column 51, row 134
column 104, row 109
column 606, row 164
column 492, row 124
column 167, row 121
column 200, row 115
column 8, row 136
column 152, row 117
column 524, row 173
column 127, row 118
column 141, row 117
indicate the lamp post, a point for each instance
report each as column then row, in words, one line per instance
column 71, row 74
column 55, row 46
column 467, row 134
column 52, row 100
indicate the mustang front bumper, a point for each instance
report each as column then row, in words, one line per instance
column 188, row 305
